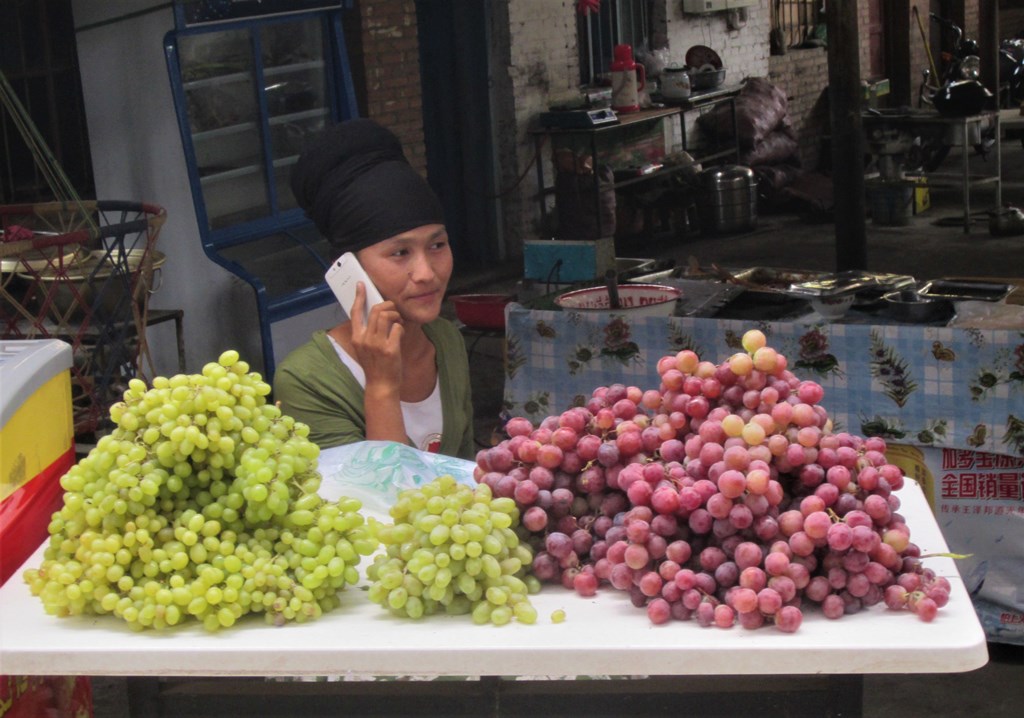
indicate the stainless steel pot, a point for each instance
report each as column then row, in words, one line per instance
column 729, row 199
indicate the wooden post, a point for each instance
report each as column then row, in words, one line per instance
column 844, row 94
column 988, row 45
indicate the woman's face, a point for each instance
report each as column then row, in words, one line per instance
column 412, row 270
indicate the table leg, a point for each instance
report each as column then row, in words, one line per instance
column 179, row 335
column 158, row 316
column 999, row 164
column 966, row 179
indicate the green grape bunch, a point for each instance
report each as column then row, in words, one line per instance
column 201, row 505
column 453, row 548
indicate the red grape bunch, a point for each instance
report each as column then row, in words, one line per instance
column 723, row 495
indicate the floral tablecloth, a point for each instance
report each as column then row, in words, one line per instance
column 930, row 386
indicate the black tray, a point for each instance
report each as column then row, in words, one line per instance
column 766, row 306
column 966, row 290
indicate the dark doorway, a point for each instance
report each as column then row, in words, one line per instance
column 39, row 59
column 454, row 51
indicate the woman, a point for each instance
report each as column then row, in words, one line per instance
column 402, row 375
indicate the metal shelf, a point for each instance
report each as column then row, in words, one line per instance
column 600, row 134
column 963, row 179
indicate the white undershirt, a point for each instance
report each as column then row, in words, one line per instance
column 423, row 420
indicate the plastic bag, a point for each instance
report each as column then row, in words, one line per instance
column 988, row 315
column 760, row 108
column 777, row 147
column 981, row 520
column 375, row 472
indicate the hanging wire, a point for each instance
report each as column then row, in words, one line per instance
column 56, row 179
column 644, row 28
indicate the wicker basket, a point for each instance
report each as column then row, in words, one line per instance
column 101, row 310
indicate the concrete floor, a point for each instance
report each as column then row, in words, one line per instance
column 932, row 244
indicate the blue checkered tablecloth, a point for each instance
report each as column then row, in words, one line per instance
column 926, row 385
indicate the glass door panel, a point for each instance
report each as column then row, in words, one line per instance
column 295, row 83
column 223, row 109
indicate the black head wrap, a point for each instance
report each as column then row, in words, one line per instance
column 354, row 182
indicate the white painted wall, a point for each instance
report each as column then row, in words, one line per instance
column 744, row 51
column 544, row 69
column 137, row 155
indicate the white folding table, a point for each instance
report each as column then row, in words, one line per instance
column 601, row 636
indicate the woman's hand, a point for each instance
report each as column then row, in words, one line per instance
column 377, row 345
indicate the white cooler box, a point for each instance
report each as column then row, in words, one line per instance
column 37, row 443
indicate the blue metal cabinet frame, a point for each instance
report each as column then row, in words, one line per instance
column 259, row 250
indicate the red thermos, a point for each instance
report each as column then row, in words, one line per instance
column 628, row 78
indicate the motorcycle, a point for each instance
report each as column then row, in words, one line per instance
column 1011, row 79
column 1011, row 72
column 953, row 92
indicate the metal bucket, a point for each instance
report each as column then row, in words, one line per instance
column 891, row 203
column 729, row 199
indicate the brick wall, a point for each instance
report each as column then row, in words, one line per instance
column 971, row 19
column 542, row 69
column 1011, row 19
column 743, row 50
column 863, row 16
column 803, row 76
column 388, row 81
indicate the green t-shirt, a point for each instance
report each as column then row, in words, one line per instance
column 315, row 387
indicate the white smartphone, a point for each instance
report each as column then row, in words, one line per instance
column 342, row 277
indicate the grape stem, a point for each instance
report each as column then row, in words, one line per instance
column 946, row 555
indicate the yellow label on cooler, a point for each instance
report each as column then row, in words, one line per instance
column 38, row 433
